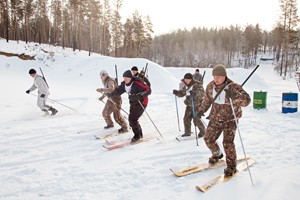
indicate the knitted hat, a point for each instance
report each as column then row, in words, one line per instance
column 127, row 74
column 188, row 76
column 103, row 73
column 219, row 70
column 134, row 68
column 32, row 71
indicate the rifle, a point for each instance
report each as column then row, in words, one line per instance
column 44, row 77
column 116, row 69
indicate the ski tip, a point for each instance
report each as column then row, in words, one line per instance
column 200, row 188
column 96, row 137
column 174, row 172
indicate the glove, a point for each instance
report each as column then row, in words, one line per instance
column 135, row 97
column 42, row 95
column 142, row 72
column 192, row 93
column 200, row 114
column 229, row 93
column 101, row 98
column 99, row 89
column 27, row 91
column 175, row 92
column 109, row 95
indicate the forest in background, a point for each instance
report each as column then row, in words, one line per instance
column 96, row 26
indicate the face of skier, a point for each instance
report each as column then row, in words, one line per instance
column 219, row 80
column 187, row 81
column 32, row 75
column 126, row 80
column 103, row 77
column 134, row 72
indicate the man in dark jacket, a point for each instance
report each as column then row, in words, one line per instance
column 138, row 99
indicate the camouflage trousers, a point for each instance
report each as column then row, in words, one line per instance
column 188, row 116
column 109, row 108
column 213, row 132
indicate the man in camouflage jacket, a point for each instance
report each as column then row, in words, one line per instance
column 217, row 96
column 112, row 105
column 194, row 93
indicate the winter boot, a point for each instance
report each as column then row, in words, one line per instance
column 229, row 171
column 122, row 130
column 53, row 111
column 214, row 159
column 108, row 126
column 135, row 139
column 46, row 112
column 186, row 134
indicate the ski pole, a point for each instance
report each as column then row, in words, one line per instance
column 193, row 112
column 151, row 120
column 53, row 101
column 115, row 104
column 237, row 126
column 177, row 113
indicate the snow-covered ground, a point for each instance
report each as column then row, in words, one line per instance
column 59, row 158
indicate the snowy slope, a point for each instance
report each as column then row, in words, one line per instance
column 59, row 158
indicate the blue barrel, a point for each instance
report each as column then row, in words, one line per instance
column 289, row 102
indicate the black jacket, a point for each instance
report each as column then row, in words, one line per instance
column 135, row 87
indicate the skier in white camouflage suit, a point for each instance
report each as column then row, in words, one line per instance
column 43, row 92
column 194, row 92
column 112, row 105
column 221, row 116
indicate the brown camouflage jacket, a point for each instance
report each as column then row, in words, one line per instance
column 197, row 89
column 109, row 85
column 220, row 108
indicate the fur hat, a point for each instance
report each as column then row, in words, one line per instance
column 219, row 70
column 188, row 76
column 127, row 74
column 134, row 68
column 103, row 73
column 32, row 71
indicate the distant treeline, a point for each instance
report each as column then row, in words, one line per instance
column 90, row 25
column 96, row 26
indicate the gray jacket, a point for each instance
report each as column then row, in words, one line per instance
column 40, row 83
